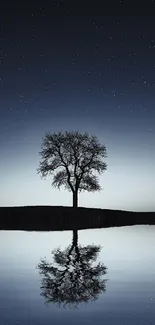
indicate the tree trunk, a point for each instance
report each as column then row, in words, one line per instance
column 75, row 237
column 75, row 199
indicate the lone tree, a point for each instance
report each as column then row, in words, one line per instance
column 72, row 158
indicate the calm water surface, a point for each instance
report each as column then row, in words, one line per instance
column 101, row 276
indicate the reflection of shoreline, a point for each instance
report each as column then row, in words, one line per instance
column 66, row 218
column 73, row 277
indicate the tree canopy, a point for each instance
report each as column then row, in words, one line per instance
column 73, row 159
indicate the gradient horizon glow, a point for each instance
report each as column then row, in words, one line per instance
column 78, row 67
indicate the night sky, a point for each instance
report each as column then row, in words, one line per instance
column 78, row 65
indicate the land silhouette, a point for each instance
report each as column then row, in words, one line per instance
column 73, row 276
column 67, row 218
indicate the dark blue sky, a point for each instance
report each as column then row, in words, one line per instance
column 86, row 65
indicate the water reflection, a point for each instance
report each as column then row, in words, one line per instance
column 73, row 276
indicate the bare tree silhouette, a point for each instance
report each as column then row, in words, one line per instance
column 73, row 277
column 72, row 158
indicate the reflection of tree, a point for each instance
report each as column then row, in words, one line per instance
column 73, row 277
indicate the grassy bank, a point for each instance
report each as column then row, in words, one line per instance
column 66, row 218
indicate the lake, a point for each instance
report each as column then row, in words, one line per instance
column 100, row 276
